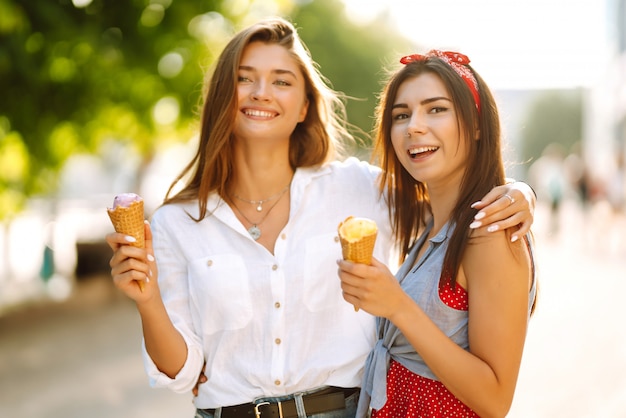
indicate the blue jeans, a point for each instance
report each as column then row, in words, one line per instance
column 348, row 412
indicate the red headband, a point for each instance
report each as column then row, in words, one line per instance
column 457, row 61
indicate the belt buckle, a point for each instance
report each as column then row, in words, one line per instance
column 257, row 413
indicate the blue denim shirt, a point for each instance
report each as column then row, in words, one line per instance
column 421, row 282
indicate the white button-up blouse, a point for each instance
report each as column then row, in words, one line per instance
column 268, row 324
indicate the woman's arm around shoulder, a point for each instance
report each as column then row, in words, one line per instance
column 510, row 206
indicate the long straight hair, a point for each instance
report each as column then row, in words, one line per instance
column 315, row 140
column 407, row 197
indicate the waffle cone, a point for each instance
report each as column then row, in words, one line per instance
column 129, row 221
column 357, row 237
column 359, row 251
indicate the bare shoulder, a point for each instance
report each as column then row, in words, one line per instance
column 494, row 252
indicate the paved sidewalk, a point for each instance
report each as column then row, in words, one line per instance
column 81, row 358
column 574, row 363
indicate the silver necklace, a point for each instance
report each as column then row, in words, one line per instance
column 259, row 203
column 255, row 230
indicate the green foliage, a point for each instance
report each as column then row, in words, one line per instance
column 14, row 163
column 353, row 57
column 554, row 117
column 75, row 76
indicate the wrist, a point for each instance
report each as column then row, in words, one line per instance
column 404, row 311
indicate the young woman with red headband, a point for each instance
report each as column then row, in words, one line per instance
column 453, row 320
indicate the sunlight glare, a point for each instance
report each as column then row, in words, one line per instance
column 81, row 4
column 531, row 44
column 166, row 111
column 171, row 64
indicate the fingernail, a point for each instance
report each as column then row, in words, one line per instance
column 475, row 204
column 150, row 258
column 479, row 215
column 130, row 238
column 475, row 225
column 150, row 273
column 146, row 222
column 514, row 238
column 493, row 228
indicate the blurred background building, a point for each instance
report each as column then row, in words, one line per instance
column 605, row 133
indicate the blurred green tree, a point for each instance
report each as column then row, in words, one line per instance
column 353, row 56
column 77, row 73
column 555, row 116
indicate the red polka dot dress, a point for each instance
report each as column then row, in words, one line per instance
column 412, row 395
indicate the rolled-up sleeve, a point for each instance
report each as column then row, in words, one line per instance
column 172, row 266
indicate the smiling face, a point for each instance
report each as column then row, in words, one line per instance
column 435, row 152
column 270, row 92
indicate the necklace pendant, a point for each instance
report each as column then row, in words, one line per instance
column 254, row 232
column 259, row 208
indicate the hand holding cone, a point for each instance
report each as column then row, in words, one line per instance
column 358, row 237
column 127, row 216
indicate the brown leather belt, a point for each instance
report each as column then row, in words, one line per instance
column 326, row 400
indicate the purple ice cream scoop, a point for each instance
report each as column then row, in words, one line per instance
column 124, row 200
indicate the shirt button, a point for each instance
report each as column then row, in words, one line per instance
column 277, row 341
column 209, row 263
column 277, row 305
column 275, row 267
column 336, row 239
column 283, row 236
column 277, row 382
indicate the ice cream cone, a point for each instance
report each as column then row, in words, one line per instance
column 357, row 237
column 129, row 220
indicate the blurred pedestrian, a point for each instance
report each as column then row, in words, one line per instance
column 246, row 250
column 453, row 321
column 616, row 187
column 548, row 178
column 577, row 175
